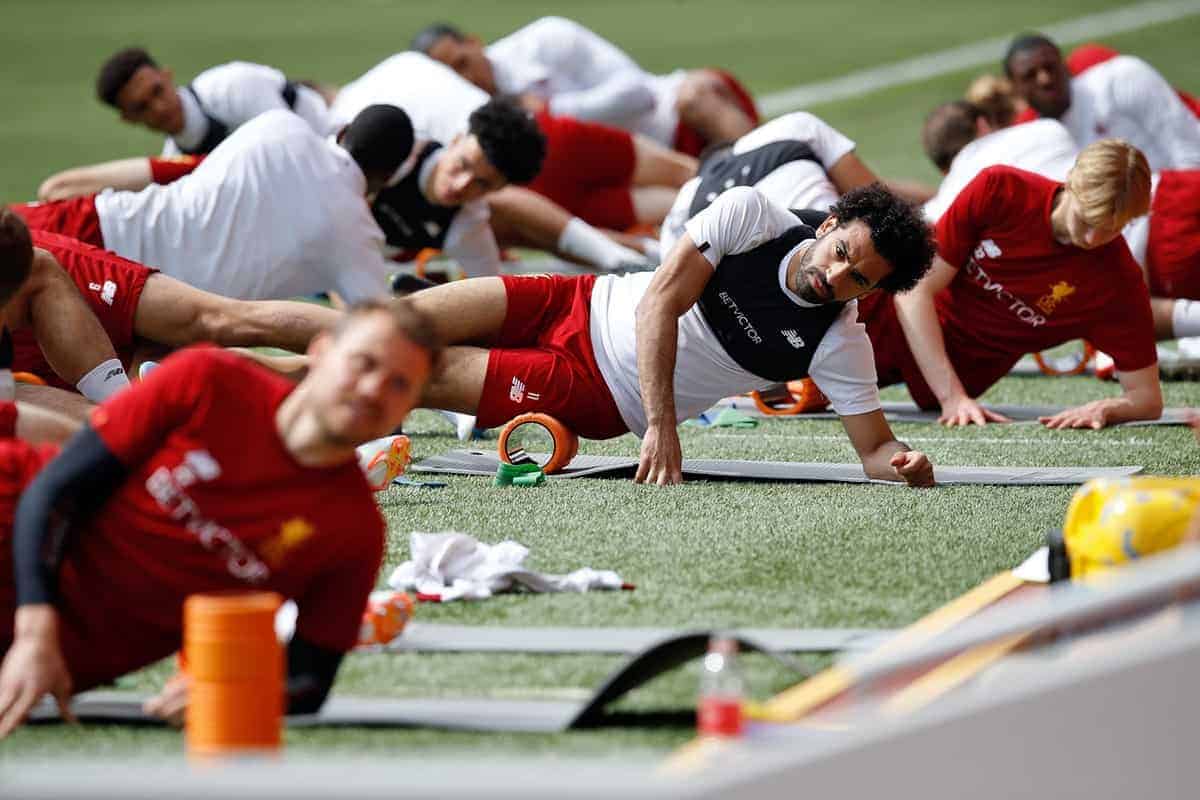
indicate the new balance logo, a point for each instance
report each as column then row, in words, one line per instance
column 987, row 249
column 108, row 292
column 793, row 339
column 517, row 392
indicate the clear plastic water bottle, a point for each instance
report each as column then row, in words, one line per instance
column 719, row 711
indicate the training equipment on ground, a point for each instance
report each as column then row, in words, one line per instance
column 383, row 460
column 909, row 412
column 424, row 637
column 234, row 665
column 385, row 617
column 527, row 474
column 477, row 462
column 1110, row 523
column 565, row 442
column 485, row 714
column 794, row 397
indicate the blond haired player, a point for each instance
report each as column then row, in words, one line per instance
column 1026, row 263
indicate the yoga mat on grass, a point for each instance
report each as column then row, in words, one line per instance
column 423, row 637
column 898, row 411
column 480, row 462
column 486, row 714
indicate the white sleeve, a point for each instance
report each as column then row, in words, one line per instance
column 672, row 225
column 843, row 367
column 609, row 84
column 361, row 271
column 740, row 219
column 470, row 241
column 237, row 92
column 1147, row 100
column 827, row 142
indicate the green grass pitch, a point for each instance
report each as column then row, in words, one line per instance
column 703, row 553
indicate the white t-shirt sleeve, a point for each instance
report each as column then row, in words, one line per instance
column 237, row 92
column 1145, row 98
column 828, row 143
column 740, row 219
column 843, row 367
column 470, row 241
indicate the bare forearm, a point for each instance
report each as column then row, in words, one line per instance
column 657, row 338
column 878, row 463
column 918, row 319
column 131, row 174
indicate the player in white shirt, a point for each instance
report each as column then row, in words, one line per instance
column 797, row 161
column 276, row 211
column 1123, row 98
column 199, row 116
column 557, row 64
column 750, row 296
column 441, row 105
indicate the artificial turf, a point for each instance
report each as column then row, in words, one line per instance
column 703, row 554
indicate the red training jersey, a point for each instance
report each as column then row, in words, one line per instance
column 110, row 285
column 1018, row 290
column 213, row 501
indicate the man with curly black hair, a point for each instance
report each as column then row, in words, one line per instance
column 750, row 296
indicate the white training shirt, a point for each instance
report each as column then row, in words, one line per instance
column 437, row 100
column 1126, row 98
column 582, row 75
column 1043, row 146
column 741, row 219
column 236, row 93
column 797, row 184
column 275, row 211
column 439, row 103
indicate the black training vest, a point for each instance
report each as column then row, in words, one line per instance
column 760, row 327
column 407, row 218
column 727, row 170
column 217, row 130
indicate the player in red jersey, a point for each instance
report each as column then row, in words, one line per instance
column 53, row 314
column 1024, row 264
column 212, row 474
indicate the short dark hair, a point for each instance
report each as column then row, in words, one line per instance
column 948, row 129
column 510, row 138
column 379, row 138
column 410, row 321
column 117, row 70
column 430, row 35
column 1024, row 43
column 16, row 254
column 898, row 232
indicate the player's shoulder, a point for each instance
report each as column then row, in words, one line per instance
column 552, row 26
column 233, row 72
column 1008, row 186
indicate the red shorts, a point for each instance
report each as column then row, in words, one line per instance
column 689, row 140
column 1173, row 251
column 110, row 285
column 588, row 170
column 19, row 462
column 76, row 218
column 167, row 169
column 543, row 359
column 894, row 362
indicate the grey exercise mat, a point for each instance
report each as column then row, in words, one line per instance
column 438, row 638
column 480, row 462
column 546, row 716
column 898, row 411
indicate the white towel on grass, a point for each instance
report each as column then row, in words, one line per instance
column 457, row 566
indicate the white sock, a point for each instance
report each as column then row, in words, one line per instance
column 103, row 381
column 464, row 424
column 1185, row 318
column 582, row 241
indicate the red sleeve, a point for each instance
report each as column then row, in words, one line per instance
column 1126, row 329
column 1025, row 115
column 332, row 608
column 958, row 230
column 134, row 422
column 1089, row 55
column 165, row 169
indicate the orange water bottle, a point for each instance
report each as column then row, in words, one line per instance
column 235, row 667
column 719, row 711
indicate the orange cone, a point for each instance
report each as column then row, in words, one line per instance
column 236, row 668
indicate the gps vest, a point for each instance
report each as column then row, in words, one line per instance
column 727, row 170
column 217, row 130
column 408, row 220
column 758, row 325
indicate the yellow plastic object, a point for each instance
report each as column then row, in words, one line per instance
column 1111, row 522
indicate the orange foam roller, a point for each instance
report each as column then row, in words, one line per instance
column 236, row 667
column 805, row 397
column 566, row 442
column 28, row 377
column 1085, row 358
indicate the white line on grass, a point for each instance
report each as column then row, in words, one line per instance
column 940, row 439
column 911, row 70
